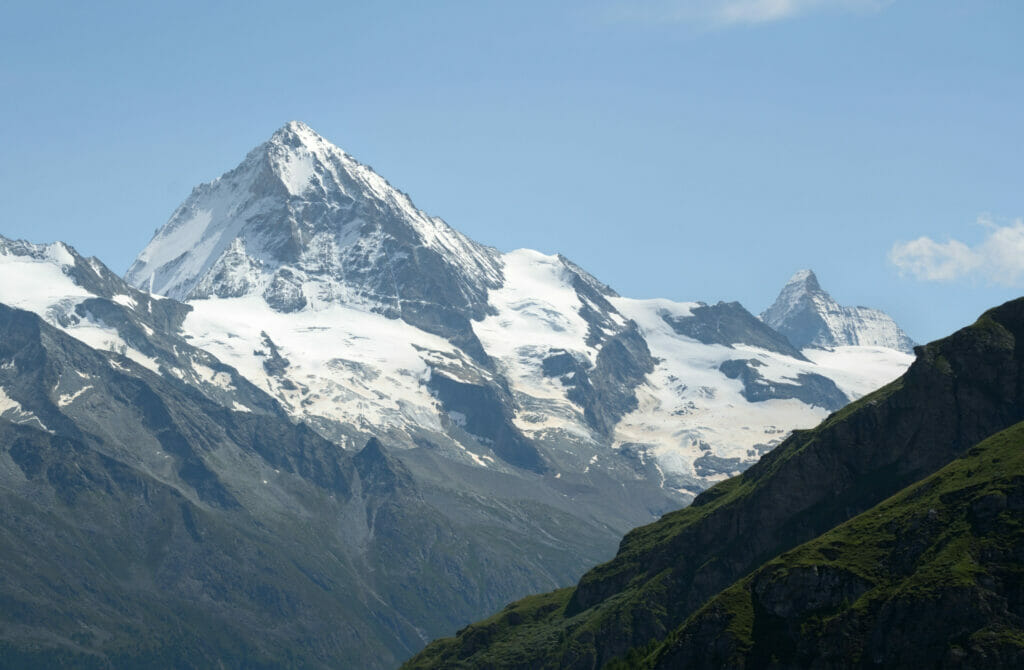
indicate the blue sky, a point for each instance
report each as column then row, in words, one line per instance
column 690, row 149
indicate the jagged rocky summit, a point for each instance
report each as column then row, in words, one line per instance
column 808, row 316
column 300, row 223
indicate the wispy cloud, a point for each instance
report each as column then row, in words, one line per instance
column 998, row 258
column 724, row 13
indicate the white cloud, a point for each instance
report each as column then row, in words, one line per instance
column 998, row 258
column 722, row 13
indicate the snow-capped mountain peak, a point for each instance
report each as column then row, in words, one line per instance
column 304, row 161
column 809, row 317
column 304, row 225
column 327, row 288
column 803, row 280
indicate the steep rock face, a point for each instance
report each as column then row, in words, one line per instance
column 730, row 323
column 810, row 388
column 482, row 410
column 959, row 391
column 606, row 391
column 809, row 317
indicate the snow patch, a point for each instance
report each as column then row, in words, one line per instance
column 336, row 362
column 69, row 398
column 11, row 410
column 221, row 380
column 125, row 300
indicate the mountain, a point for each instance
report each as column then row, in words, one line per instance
column 156, row 505
column 365, row 317
column 300, row 222
column 314, row 398
column 808, row 316
column 864, row 593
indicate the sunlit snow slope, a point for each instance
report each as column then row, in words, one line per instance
column 326, row 287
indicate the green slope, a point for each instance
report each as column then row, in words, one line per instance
column 933, row 576
column 960, row 390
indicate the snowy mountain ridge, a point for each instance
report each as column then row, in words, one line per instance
column 301, row 222
column 807, row 315
column 326, row 287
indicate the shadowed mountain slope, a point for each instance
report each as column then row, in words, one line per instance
column 144, row 524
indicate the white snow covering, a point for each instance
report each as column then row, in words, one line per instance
column 37, row 283
column 126, row 300
column 235, row 207
column 346, row 364
column 297, row 171
column 537, row 312
column 687, row 407
column 858, row 371
column 537, row 308
column 862, row 326
column 58, row 252
column 207, row 374
column 688, row 403
column 68, row 398
column 11, row 410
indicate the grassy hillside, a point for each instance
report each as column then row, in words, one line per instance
column 959, row 391
column 932, row 576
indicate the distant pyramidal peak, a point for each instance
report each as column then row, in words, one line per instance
column 301, row 222
column 809, row 317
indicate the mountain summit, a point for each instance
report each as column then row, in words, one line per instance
column 807, row 315
column 301, row 223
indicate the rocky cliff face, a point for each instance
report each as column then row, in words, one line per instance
column 959, row 391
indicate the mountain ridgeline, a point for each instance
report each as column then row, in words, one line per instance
column 808, row 317
column 396, row 326
column 807, row 556
column 315, row 426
